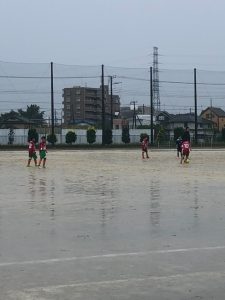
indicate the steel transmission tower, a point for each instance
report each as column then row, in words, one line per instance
column 155, row 83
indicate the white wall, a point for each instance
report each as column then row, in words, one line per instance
column 20, row 137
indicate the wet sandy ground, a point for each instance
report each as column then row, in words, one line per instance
column 105, row 225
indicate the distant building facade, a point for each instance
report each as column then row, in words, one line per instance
column 216, row 115
column 140, row 116
column 84, row 105
column 163, row 118
column 204, row 129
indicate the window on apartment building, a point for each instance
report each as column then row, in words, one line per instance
column 78, row 99
column 77, row 107
column 67, row 99
column 77, row 92
column 67, row 106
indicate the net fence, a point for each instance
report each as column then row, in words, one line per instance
column 23, row 84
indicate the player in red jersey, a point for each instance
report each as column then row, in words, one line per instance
column 32, row 152
column 42, row 151
column 185, row 151
column 144, row 148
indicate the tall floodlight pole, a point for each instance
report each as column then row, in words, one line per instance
column 103, row 107
column 52, row 102
column 196, row 107
column 151, row 106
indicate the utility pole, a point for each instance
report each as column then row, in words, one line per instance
column 52, row 101
column 196, row 107
column 151, row 105
column 111, row 100
column 134, row 123
column 103, row 107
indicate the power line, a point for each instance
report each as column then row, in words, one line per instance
column 47, row 77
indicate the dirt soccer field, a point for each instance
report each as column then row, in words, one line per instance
column 105, row 225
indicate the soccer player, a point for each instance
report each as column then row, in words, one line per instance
column 186, row 135
column 32, row 152
column 42, row 151
column 185, row 151
column 144, row 147
column 179, row 143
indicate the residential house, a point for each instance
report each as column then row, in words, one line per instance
column 204, row 129
column 120, row 123
column 17, row 122
column 216, row 115
column 163, row 118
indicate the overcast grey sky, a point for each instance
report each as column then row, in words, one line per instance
column 189, row 33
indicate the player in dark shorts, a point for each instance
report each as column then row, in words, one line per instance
column 32, row 152
column 178, row 144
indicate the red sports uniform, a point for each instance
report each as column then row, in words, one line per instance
column 42, row 146
column 186, row 147
column 144, row 145
column 31, row 148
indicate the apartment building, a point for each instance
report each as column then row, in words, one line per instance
column 84, row 105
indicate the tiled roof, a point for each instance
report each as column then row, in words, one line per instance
column 187, row 118
column 216, row 110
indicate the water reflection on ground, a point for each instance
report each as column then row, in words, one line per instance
column 112, row 198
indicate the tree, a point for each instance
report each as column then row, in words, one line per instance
column 71, row 137
column 178, row 131
column 126, row 135
column 107, row 138
column 32, row 134
column 51, row 138
column 10, row 115
column 33, row 113
column 159, row 133
column 91, row 135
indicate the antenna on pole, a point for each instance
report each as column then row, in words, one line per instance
column 210, row 102
column 156, row 95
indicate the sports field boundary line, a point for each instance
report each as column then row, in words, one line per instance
column 110, row 255
column 132, row 280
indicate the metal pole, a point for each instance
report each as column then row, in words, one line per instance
column 151, row 105
column 135, row 122
column 103, row 107
column 111, row 112
column 52, row 101
column 196, row 108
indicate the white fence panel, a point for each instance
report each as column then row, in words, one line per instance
column 20, row 136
